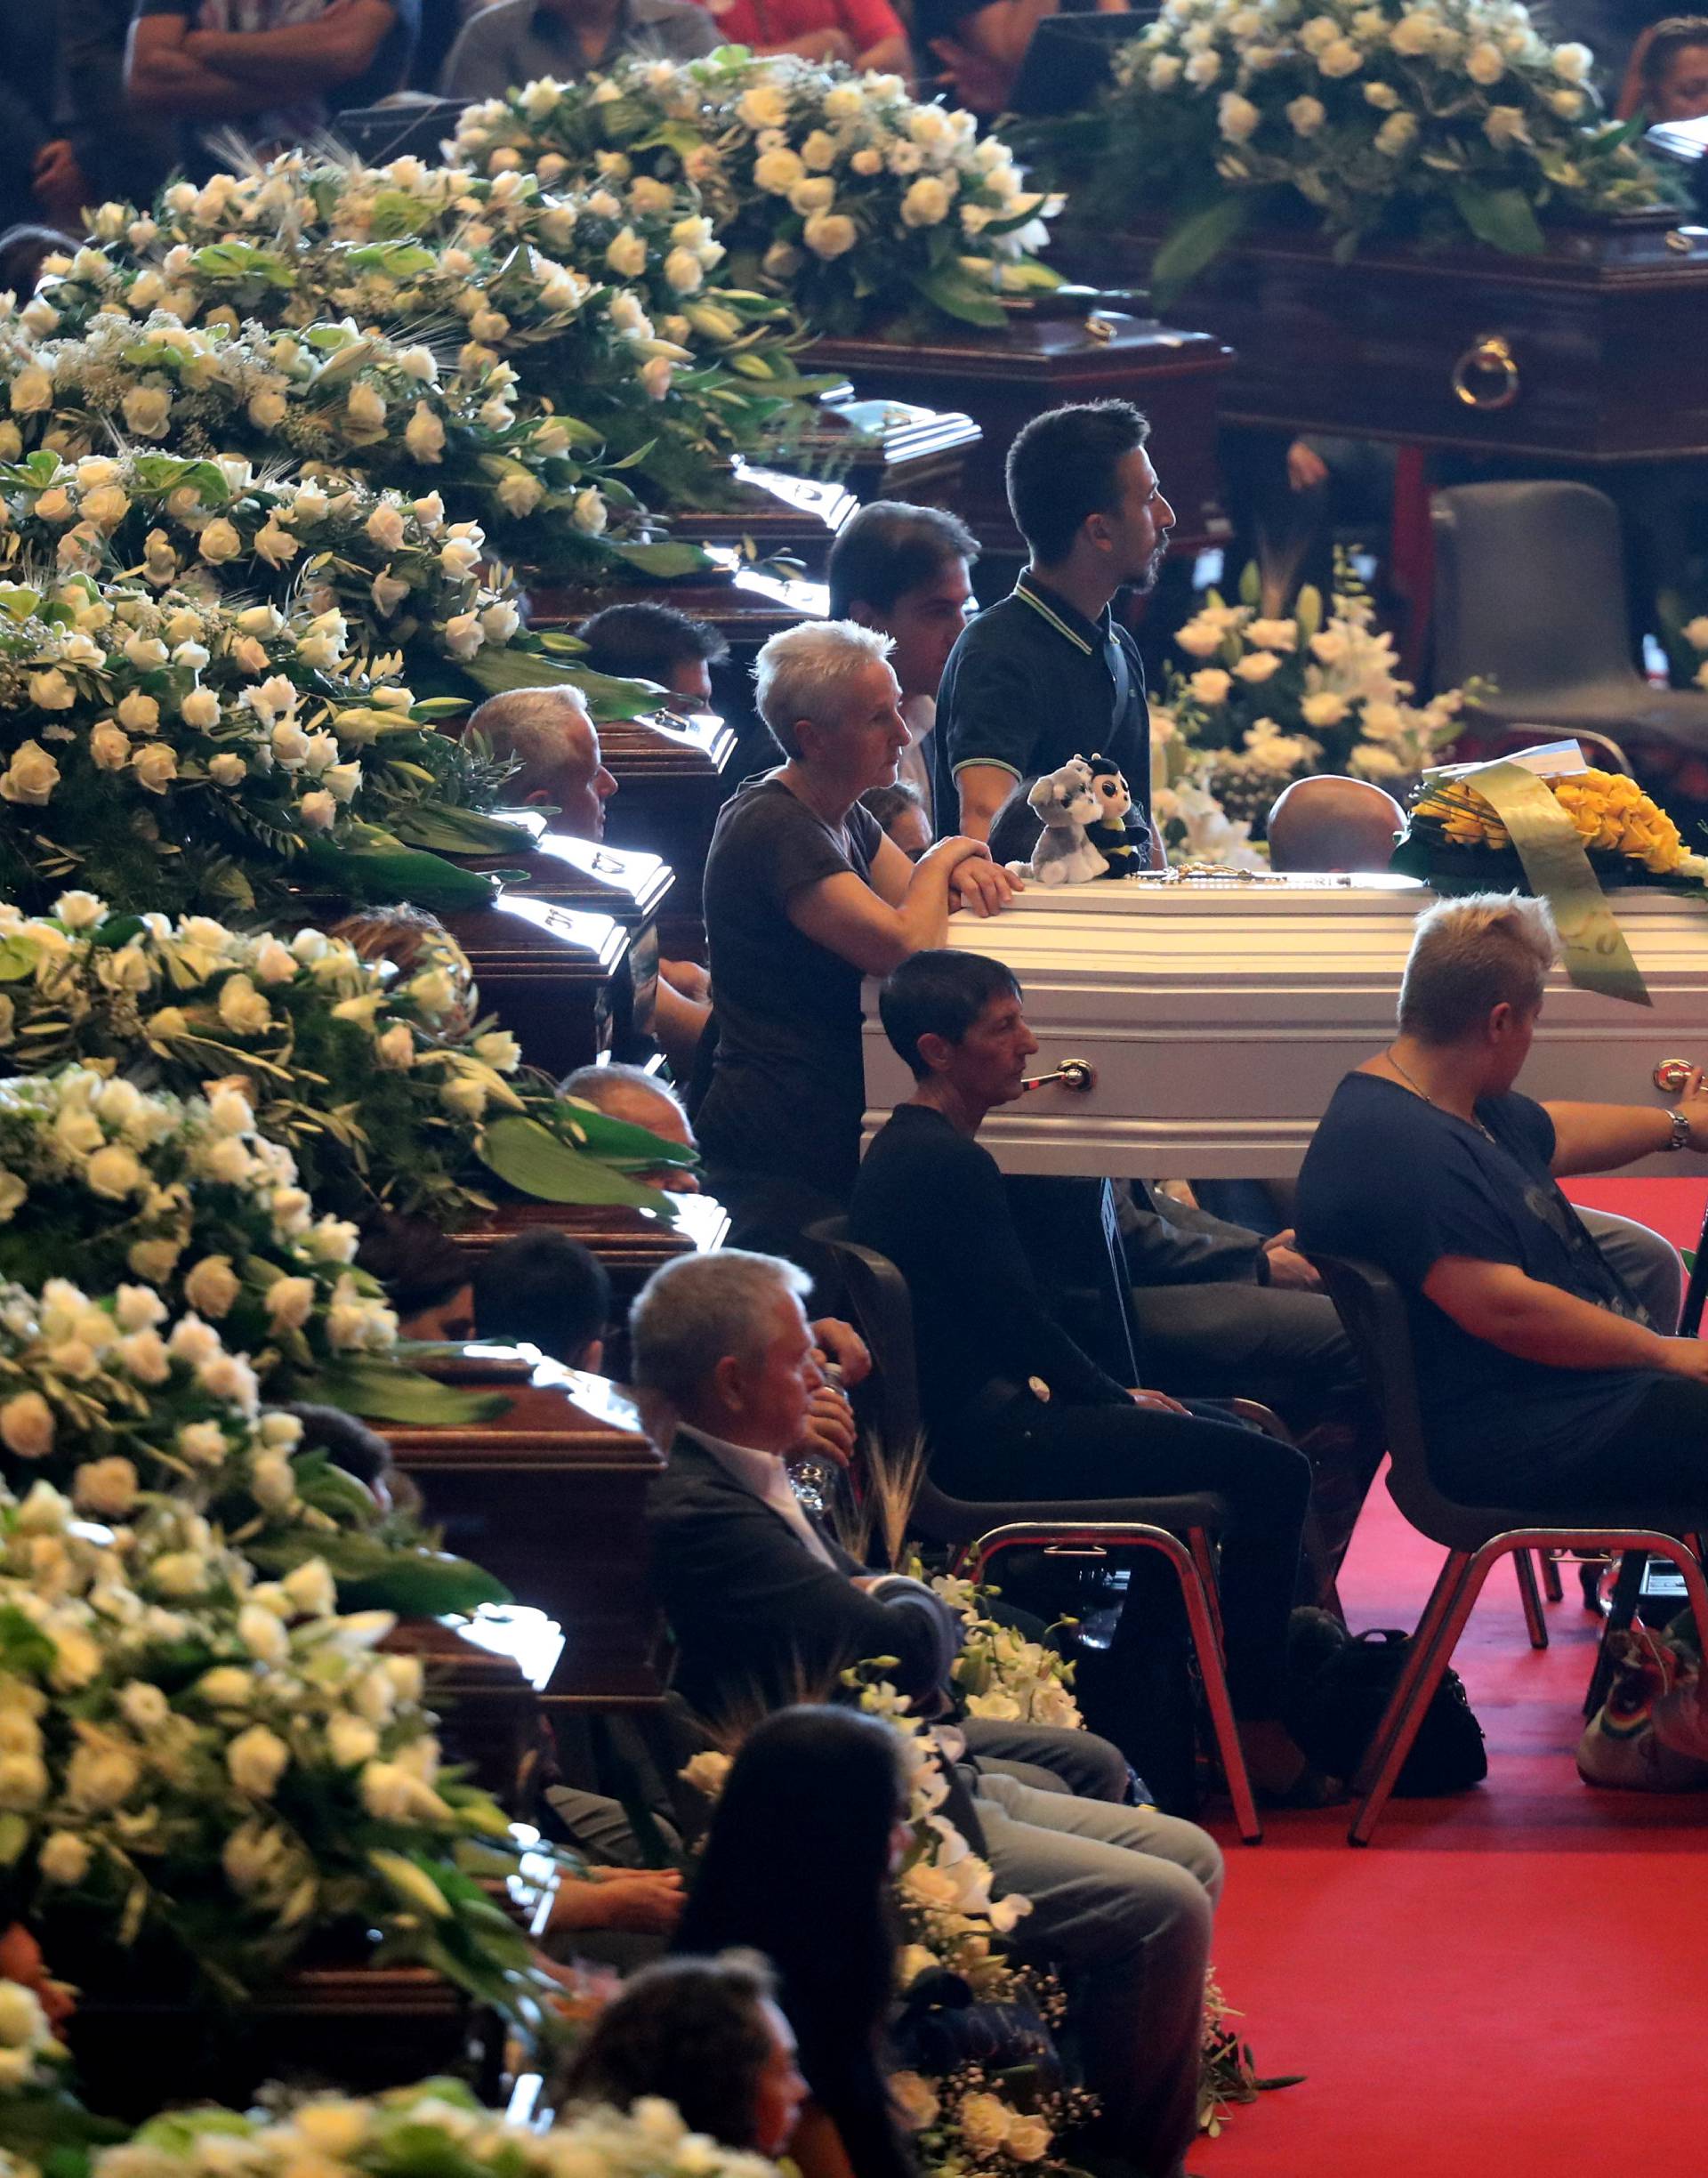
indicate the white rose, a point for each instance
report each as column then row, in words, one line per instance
column 31, row 390
column 385, row 526
column 1503, row 126
column 396, row 1048
column 626, row 254
column 154, row 767
column 145, row 1357
column 351, row 1740
column 64, row 1858
column 1203, row 68
column 1573, row 63
column 228, row 1686
column 106, row 1488
column 817, row 193
column 764, row 107
column 365, row 409
column 1257, row 666
column 219, row 542
column 1307, row 116
column 588, row 512
column 268, row 409
column 148, row 410
column 51, row 692
column 520, row 492
column 656, row 377
column 1343, row 57
column 311, row 1590
column 200, row 708
column 27, row 1425
column 1396, row 134
column 463, row 634
column 277, row 546
column 113, row 1173
column 256, row 1760
column 212, row 1286
column 1211, row 685
column 98, row 1778
column 290, row 1303
column 423, row 434
column 926, row 203
column 829, row 235
column 1485, row 63
column 242, row 1007
column 140, row 712
column 143, row 1706
column 683, row 271
column 343, row 781
column 778, row 171
column 1236, row 117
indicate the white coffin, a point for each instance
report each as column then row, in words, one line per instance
column 1218, row 1018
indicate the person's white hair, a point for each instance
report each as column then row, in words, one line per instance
column 1470, row 955
column 620, row 1090
column 532, row 726
column 700, row 1310
column 803, row 672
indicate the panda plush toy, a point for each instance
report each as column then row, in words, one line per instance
column 1118, row 835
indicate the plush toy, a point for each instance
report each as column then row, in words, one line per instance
column 1117, row 834
column 1064, row 803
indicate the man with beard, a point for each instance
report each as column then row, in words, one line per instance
column 1047, row 674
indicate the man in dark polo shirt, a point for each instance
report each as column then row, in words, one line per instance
column 1046, row 675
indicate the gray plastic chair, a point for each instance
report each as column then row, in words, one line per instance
column 1373, row 1312
column 976, row 1531
column 1530, row 593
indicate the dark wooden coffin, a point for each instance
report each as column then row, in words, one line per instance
column 1592, row 352
column 551, row 1497
column 1004, row 377
column 488, row 1713
column 556, row 977
column 631, row 1244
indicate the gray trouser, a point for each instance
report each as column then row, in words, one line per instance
column 1651, row 1267
column 1054, row 1758
column 1123, row 1899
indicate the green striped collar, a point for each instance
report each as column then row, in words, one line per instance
column 1084, row 635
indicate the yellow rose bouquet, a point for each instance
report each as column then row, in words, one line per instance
column 1628, row 837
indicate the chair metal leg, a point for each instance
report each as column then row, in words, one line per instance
column 1204, row 1557
column 1200, row 1618
column 1523, row 1563
column 1687, row 1557
column 1550, row 1587
column 1432, row 1645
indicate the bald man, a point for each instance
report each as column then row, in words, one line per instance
column 1334, row 824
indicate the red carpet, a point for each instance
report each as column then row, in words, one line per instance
column 1507, row 1983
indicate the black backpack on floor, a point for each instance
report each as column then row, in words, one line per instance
column 1340, row 1685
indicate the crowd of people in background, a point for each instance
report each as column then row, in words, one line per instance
column 105, row 99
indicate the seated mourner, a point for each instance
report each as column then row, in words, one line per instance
column 764, row 1606
column 1540, row 1378
column 1015, row 1409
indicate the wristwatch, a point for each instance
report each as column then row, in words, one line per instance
column 1680, row 1130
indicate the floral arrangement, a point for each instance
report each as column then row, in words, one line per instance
column 383, row 1089
column 1276, row 696
column 329, row 392
column 106, row 1181
column 999, row 1672
column 31, row 2053
column 1626, row 832
column 438, row 2125
column 224, row 1767
column 120, row 1406
column 303, row 242
column 402, row 575
column 158, row 745
column 836, row 189
column 1438, row 121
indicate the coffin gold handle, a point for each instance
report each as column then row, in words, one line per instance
column 1485, row 377
column 1078, row 1075
column 1672, row 1074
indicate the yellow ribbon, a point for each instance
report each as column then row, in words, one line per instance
column 1597, row 956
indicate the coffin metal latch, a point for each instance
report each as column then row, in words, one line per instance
column 1078, row 1075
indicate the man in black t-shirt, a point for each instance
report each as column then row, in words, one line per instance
column 1046, row 675
column 1539, row 1378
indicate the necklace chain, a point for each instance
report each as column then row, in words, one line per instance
column 1417, row 1089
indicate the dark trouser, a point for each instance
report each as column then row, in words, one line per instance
column 769, row 1214
column 1658, row 1458
column 1034, row 1450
